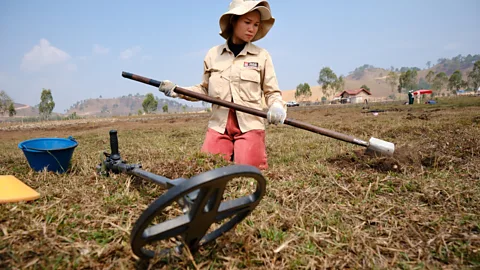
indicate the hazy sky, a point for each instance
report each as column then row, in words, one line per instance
column 78, row 49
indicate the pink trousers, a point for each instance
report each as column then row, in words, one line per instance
column 243, row 148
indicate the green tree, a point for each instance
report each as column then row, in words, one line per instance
column 407, row 80
column 184, row 108
column 73, row 116
column 5, row 102
column 439, row 81
column 339, row 85
column 423, row 84
column 327, row 79
column 455, row 81
column 392, row 79
column 360, row 71
column 303, row 91
column 365, row 87
column 149, row 103
column 474, row 76
column 47, row 104
column 11, row 110
column 430, row 76
column 104, row 109
column 165, row 108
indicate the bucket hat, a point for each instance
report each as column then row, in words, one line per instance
column 241, row 7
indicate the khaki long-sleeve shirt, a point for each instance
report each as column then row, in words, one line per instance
column 248, row 79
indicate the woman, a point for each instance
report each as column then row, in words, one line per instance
column 243, row 73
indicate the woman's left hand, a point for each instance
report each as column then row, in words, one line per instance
column 276, row 114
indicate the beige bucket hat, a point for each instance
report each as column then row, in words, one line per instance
column 240, row 7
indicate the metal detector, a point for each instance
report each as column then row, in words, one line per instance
column 200, row 197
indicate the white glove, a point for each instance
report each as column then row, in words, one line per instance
column 167, row 88
column 276, row 114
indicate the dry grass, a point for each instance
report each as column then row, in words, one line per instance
column 327, row 204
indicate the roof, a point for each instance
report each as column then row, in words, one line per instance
column 422, row 92
column 354, row 92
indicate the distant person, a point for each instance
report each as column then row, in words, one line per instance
column 241, row 72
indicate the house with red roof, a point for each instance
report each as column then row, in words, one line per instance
column 353, row 96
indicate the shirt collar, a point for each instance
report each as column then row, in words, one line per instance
column 249, row 48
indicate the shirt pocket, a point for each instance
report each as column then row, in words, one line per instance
column 249, row 85
column 217, row 83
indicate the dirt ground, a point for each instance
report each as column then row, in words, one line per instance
column 328, row 204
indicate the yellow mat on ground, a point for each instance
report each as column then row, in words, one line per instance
column 14, row 190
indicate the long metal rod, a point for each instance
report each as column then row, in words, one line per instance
column 163, row 181
column 132, row 169
column 291, row 122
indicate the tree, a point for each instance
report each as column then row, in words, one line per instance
column 5, row 102
column 439, row 81
column 365, row 87
column 474, row 76
column 360, row 71
column 339, row 85
column 47, row 104
column 11, row 110
column 165, row 108
column 441, row 61
column 455, row 81
column 392, row 79
column 104, row 109
column 429, row 64
column 303, row 91
column 423, row 84
column 149, row 103
column 430, row 76
column 407, row 80
column 326, row 79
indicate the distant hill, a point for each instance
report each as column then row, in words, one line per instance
column 104, row 107
column 23, row 110
column 125, row 105
column 462, row 63
column 375, row 77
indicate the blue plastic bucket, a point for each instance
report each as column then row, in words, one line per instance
column 54, row 154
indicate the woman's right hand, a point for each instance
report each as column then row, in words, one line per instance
column 276, row 114
column 167, row 88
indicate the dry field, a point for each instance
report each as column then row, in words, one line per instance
column 327, row 204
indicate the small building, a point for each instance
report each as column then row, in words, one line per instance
column 354, row 96
column 461, row 92
column 468, row 92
